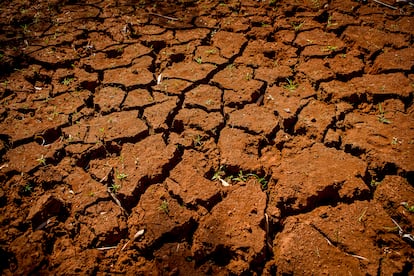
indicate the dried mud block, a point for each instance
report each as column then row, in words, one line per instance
column 116, row 56
column 316, row 176
column 46, row 207
column 230, row 44
column 186, row 181
column 332, row 139
column 285, row 104
column 258, row 53
column 161, row 217
column 239, row 150
column 316, row 70
column 171, row 86
column 157, row 115
column 27, row 157
column 299, row 239
column 272, row 74
column 255, row 119
column 239, row 86
column 118, row 125
column 134, row 75
column 394, row 60
column 108, row 98
column 368, row 86
column 396, row 195
column 86, row 190
column 204, row 96
column 53, row 57
column 346, row 65
column 137, row 98
column 191, row 34
column 190, row 71
column 29, row 250
column 175, row 259
column 106, row 222
column 210, row 54
column 143, row 163
column 385, row 145
column 198, row 119
column 21, row 126
column 373, row 40
column 330, row 246
column 68, row 258
column 66, row 103
column 314, row 120
column 318, row 43
column 231, row 234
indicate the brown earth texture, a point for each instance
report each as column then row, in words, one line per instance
column 206, row 137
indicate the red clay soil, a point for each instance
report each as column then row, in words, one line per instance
column 206, row 137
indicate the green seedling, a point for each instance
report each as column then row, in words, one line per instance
column 210, row 52
column 199, row 60
column 121, row 176
column 25, row 28
column 291, row 85
column 329, row 23
column 262, row 181
column 219, row 173
column 41, row 160
column 374, row 183
column 381, row 115
column 27, row 188
column 115, row 188
column 297, row 26
column 408, row 207
column 197, row 141
column 329, row 48
column 395, row 141
column 67, row 81
column 164, row 207
column 240, row 177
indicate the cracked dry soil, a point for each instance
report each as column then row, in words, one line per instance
column 206, row 138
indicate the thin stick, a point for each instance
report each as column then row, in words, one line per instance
column 107, row 248
column 384, row 4
column 116, row 200
column 164, row 16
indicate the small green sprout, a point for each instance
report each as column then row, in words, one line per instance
column 121, row 176
column 197, row 141
column 240, row 177
column 41, row 160
column 219, row 173
column 67, row 81
column 374, row 183
column 164, row 207
column 297, row 25
column 25, row 28
column 28, row 188
column 409, row 208
column 199, row 60
column 381, row 115
column 329, row 48
column 115, row 188
column 291, row 85
column 210, row 52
